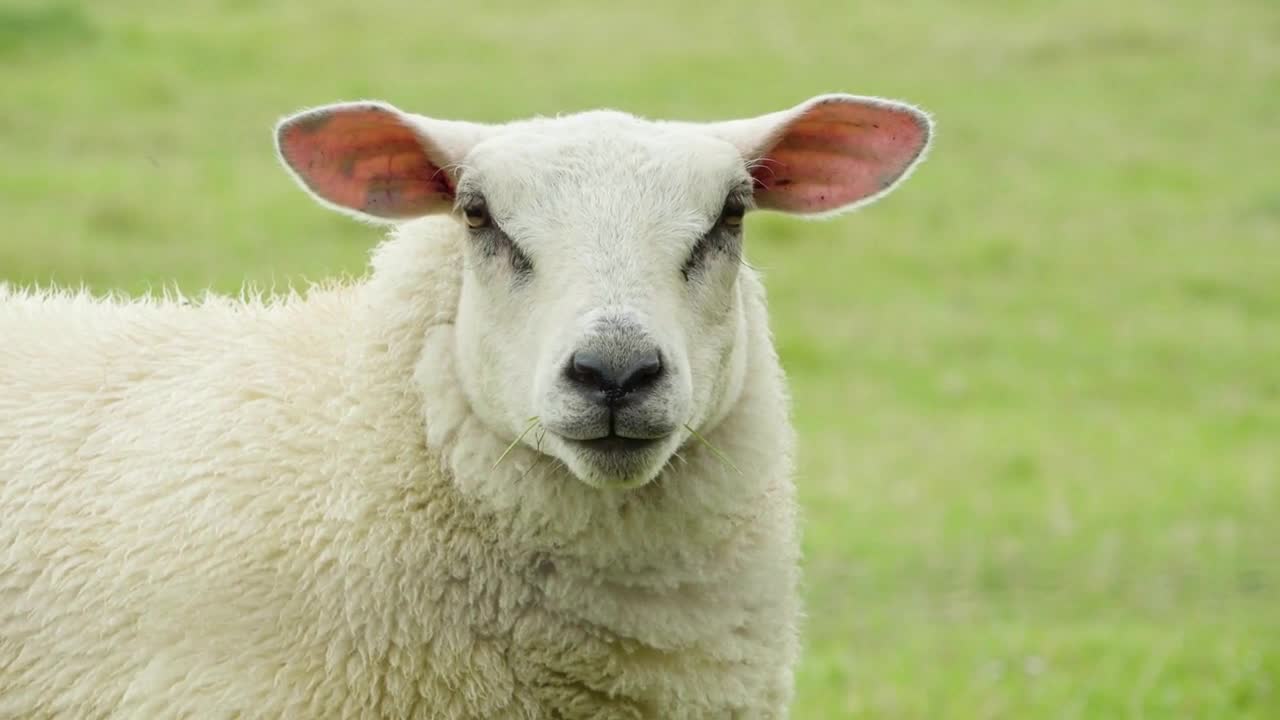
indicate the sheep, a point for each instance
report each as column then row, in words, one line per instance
column 537, row 463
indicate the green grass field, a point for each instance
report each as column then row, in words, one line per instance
column 1038, row 388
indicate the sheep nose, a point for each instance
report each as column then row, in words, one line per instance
column 592, row 372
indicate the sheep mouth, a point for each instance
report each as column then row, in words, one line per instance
column 615, row 461
column 614, row 444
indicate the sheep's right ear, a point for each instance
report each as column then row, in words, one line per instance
column 373, row 161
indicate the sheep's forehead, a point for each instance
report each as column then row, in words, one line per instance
column 605, row 163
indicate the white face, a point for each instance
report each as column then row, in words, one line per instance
column 600, row 319
column 600, row 294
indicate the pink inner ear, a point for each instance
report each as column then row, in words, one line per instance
column 836, row 154
column 365, row 158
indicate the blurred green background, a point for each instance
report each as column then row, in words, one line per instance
column 1038, row 387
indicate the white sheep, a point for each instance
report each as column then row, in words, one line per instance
column 535, row 465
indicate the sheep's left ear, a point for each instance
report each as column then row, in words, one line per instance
column 830, row 154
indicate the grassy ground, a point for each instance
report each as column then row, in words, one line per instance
column 1039, row 388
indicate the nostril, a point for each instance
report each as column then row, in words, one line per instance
column 594, row 372
column 643, row 372
column 589, row 369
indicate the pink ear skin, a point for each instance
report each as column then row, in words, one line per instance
column 838, row 153
column 364, row 158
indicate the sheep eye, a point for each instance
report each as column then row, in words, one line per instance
column 731, row 216
column 477, row 216
column 724, row 236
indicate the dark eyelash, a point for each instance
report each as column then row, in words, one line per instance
column 490, row 239
column 718, row 239
column 696, row 256
column 722, row 237
column 521, row 265
column 492, row 242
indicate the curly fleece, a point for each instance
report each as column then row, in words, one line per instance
column 247, row 508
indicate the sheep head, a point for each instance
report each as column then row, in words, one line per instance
column 600, row 292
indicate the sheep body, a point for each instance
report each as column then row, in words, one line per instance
column 238, row 508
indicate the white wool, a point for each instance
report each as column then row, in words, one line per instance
column 322, row 505
column 228, row 507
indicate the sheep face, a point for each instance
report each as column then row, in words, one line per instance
column 600, row 298
column 600, row 293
